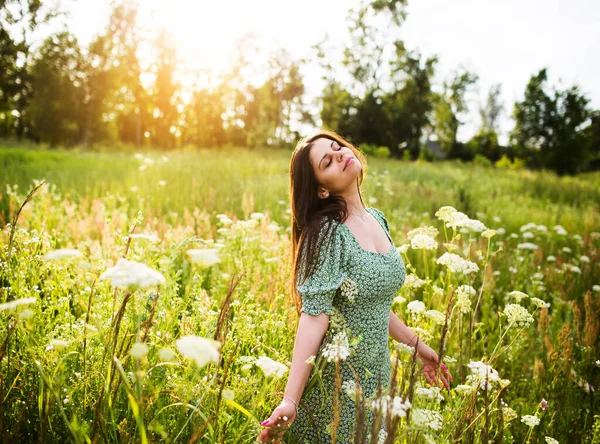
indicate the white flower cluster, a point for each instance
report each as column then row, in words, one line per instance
column 415, row 307
column 457, row 264
column 550, row 440
column 17, row 303
column 518, row 295
column 149, row 237
column 397, row 405
column 271, row 367
column 338, row 349
column 518, row 315
column 427, row 418
column 455, row 219
column 463, row 298
column 527, row 246
column 433, row 393
column 539, row 303
column 436, row 316
column 201, row 350
column 128, row 273
column 62, row 254
column 413, row 281
column 423, row 242
column 349, row 388
column 205, row 257
column 530, row 420
column 484, row 375
column 349, row 289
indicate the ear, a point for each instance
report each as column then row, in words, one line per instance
column 323, row 193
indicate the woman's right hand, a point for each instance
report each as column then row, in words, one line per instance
column 280, row 420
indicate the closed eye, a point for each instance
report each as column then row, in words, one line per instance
column 329, row 163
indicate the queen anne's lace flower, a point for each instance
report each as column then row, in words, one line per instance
column 416, row 307
column 463, row 295
column 427, row 418
column 201, row 350
column 431, row 232
column 430, row 393
column 530, row 420
column 128, row 273
column 413, row 281
column 436, row 316
column 16, row 303
column 349, row 388
column 61, row 254
column 423, row 242
column 518, row 315
column 338, row 349
column 349, row 289
column 482, row 375
column 397, row 405
column 518, row 295
column 527, row 246
column 457, row 264
column 539, row 303
column 271, row 367
column 204, row 257
column 550, row 440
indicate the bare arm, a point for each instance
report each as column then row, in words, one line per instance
column 309, row 336
column 400, row 332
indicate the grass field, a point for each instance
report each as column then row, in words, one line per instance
column 84, row 360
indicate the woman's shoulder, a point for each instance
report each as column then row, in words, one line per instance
column 377, row 211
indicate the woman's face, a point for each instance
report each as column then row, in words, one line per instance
column 336, row 168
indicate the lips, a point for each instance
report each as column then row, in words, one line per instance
column 348, row 162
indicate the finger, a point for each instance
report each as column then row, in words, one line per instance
column 445, row 382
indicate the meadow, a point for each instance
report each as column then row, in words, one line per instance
column 144, row 297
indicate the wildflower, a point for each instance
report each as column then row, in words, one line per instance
column 483, row 374
column 527, row 235
column 204, row 257
column 224, row 219
column 257, row 216
column 539, row 303
column 489, row 233
column 271, row 367
column 431, row 232
column 162, row 183
column 416, row 307
column 464, row 389
column 430, row 393
column 26, row 314
column 551, row 258
column 550, row 440
column 463, row 295
column 518, row 295
column 201, row 350
column 456, row 264
column 573, row 268
column 16, row 303
column 128, row 273
column 228, row 394
column 62, row 254
column 397, row 405
column 530, row 420
column 349, row 289
column 437, row 290
column 596, row 287
column 518, row 315
column 543, row 404
column 403, row 248
column 311, row 360
column 338, row 348
column 148, row 237
column 423, row 242
column 349, row 388
column 412, row 281
column 427, row 418
column 399, row 299
column 527, row 246
column 436, row 316
column 474, row 225
column 139, row 350
column 560, row 230
column 508, row 414
column 59, row 343
column 585, row 259
column 404, row 348
column 166, row 354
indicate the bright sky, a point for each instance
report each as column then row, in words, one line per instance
column 503, row 42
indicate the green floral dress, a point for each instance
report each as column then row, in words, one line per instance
column 356, row 288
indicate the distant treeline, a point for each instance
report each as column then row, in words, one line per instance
column 378, row 93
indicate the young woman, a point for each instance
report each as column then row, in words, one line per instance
column 354, row 273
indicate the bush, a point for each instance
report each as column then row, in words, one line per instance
column 482, row 161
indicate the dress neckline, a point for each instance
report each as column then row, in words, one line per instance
column 382, row 227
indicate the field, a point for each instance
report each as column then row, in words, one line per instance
column 85, row 359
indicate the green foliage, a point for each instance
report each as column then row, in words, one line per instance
column 514, row 164
column 375, row 151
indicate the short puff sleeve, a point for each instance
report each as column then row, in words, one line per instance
column 381, row 217
column 318, row 290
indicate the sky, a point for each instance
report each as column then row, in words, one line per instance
column 502, row 42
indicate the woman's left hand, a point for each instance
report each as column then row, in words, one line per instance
column 430, row 361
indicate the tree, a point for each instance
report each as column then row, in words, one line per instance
column 449, row 105
column 548, row 127
column 55, row 108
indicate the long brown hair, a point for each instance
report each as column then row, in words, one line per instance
column 309, row 211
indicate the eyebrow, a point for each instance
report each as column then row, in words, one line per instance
column 330, row 146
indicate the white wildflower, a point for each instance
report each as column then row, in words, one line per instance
column 139, row 350
column 596, row 287
column 205, row 257
column 436, row 316
column 310, row 360
column 518, row 315
column 489, row 233
column 413, row 281
column 573, row 268
column 423, row 242
column 456, row 264
column 257, row 216
column 17, row 303
column 271, row 367
column 464, row 389
column 437, row 290
column 566, row 250
column 463, row 295
column 474, row 225
column 431, row 232
column 349, row 388
column 539, row 303
column 527, row 246
column 399, row 299
column 59, row 343
column 128, row 273
column 162, row 183
column 62, row 254
column 349, row 289
column 427, row 418
column 415, row 307
column 149, row 237
column 527, row 235
column 550, row 440
column 397, row 405
column 338, row 349
column 518, row 295
column 530, row 420
column 430, row 393
column 201, row 350
column 166, row 354
column 224, row 220
column 228, row 394
column 585, row 259
column 404, row 348
column 560, row 230
column 403, row 248
column 482, row 375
